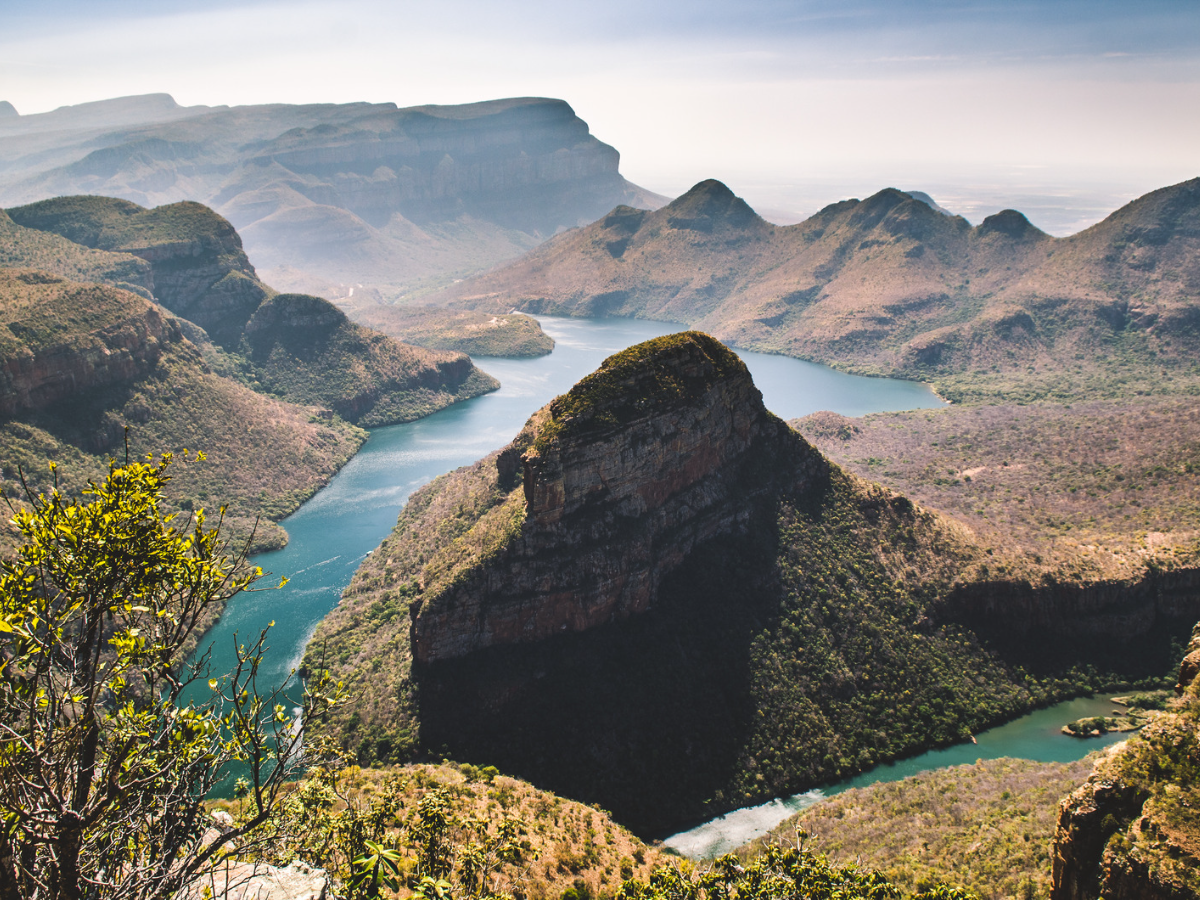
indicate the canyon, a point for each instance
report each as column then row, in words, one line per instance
column 661, row 599
column 151, row 325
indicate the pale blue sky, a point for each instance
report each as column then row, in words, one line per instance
column 792, row 103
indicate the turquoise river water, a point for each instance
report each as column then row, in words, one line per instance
column 331, row 534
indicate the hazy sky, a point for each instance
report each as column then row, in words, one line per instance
column 791, row 103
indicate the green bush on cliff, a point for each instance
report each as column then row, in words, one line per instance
column 632, row 381
column 778, row 874
column 104, row 764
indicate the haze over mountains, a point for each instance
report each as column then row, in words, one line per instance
column 326, row 194
column 115, row 316
column 886, row 285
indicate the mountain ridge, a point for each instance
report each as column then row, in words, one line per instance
column 347, row 193
column 889, row 286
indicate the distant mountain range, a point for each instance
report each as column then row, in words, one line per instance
column 887, row 285
column 329, row 194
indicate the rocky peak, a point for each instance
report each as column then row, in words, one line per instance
column 1010, row 223
column 686, row 395
column 709, row 206
column 870, row 212
column 198, row 268
column 7, row 110
column 666, row 446
column 293, row 313
column 930, row 202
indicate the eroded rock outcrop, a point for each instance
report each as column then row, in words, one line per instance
column 1132, row 832
column 43, row 360
column 660, row 599
column 1106, row 610
column 198, row 269
column 622, row 478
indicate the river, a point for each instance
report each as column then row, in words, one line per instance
column 331, row 534
column 1037, row 736
column 334, row 531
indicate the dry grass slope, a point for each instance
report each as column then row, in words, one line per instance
column 987, row 826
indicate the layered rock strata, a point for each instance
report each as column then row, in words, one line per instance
column 123, row 338
column 198, row 269
column 621, row 479
column 660, row 599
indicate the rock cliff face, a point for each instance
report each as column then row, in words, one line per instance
column 302, row 347
column 660, row 599
column 433, row 162
column 1132, row 831
column 198, row 269
column 42, row 363
column 622, row 478
column 1117, row 609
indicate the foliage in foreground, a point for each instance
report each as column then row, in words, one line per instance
column 472, row 834
column 478, row 832
column 779, row 874
column 104, row 761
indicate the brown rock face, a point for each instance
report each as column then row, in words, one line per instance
column 42, row 367
column 1131, row 832
column 1096, row 610
column 623, row 477
column 1190, row 667
column 1086, row 820
column 198, row 269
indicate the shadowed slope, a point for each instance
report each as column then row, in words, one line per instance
column 661, row 599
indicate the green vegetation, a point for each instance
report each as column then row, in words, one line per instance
column 479, row 832
column 107, row 223
column 28, row 248
column 89, row 360
column 305, row 350
column 103, row 765
column 805, row 650
column 778, row 874
column 987, row 827
column 197, row 267
column 474, row 333
column 1140, row 709
column 167, row 395
column 634, row 380
column 296, row 347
